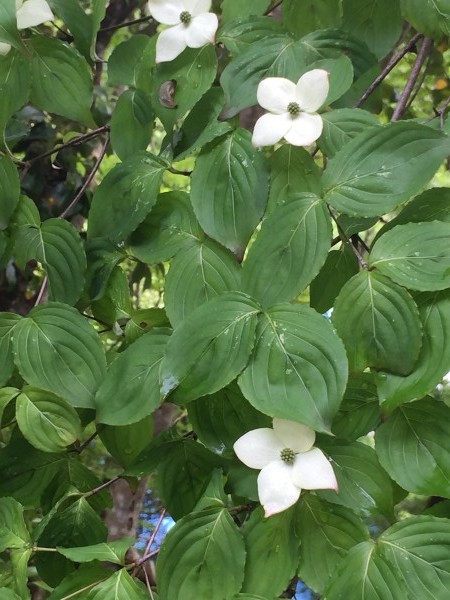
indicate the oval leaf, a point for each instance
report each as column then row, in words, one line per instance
column 293, row 243
column 382, row 167
column 211, row 347
column 9, row 190
column 131, row 123
column 57, row 350
column 298, row 368
column 379, row 324
column 229, row 190
column 416, row 255
column 46, row 421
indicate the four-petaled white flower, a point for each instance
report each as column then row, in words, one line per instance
column 292, row 109
column 29, row 14
column 288, row 463
column 192, row 26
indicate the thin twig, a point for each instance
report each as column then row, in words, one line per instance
column 149, row 587
column 84, row 589
column 41, row 291
column 177, row 172
column 101, row 487
column 88, row 181
column 348, row 241
column 85, row 444
column 425, row 49
column 126, row 24
column 419, row 83
column 147, row 555
column 273, row 7
column 388, row 68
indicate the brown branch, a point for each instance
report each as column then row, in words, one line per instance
column 147, row 553
column 273, row 7
column 126, row 24
column 348, row 241
column 101, row 487
column 425, row 49
column 41, row 291
column 88, row 181
column 388, row 68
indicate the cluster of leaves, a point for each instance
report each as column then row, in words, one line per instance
column 252, row 266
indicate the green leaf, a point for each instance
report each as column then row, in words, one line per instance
column 431, row 205
column 239, row 35
column 113, row 552
column 327, row 532
column 58, row 247
column 339, row 267
column 203, row 556
column 115, row 304
column 19, row 562
column 382, row 167
column 131, row 123
column 169, row 228
column 26, row 472
column 77, row 21
column 127, row 59
column 184, row 471
column 125, row 197
column 129, row 392
column 418, row 430
column 272, row 552
column 229, row 190
column 430, row 17
column 9, row 190
column 74, row 526
column 219, row 420
column 8, row 594
column 359, row 412
column 57, row 350
column 8, row 322
column 379, row 324
column 126, row 442
column 292, row 170
column 61, row 80
column 434, row 358
column 201, row 125
column 46, row 421
column 13, row 531
column 102, row 258
column 342, row 125
column 416, row 255
column 85, row 577
column 293, row 243
column 15, row 75
column 410, row 560
column 367, row 20
column 7, row 394
column 119, row 586
column 363, row 485
column 214, row 495
column 231, row 10
column 302, row 16
column 211, row 347
column 298, row 368
column 196, row 275
column 193, row 72
column 144, row 320
column 8, row 24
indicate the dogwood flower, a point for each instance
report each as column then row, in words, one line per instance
column 292, row 109
column 29, row 13
column 288, row 461
column 191, row 26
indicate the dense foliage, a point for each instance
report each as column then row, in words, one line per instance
column 168, row 287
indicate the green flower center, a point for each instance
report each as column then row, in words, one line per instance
column 185, row 17
column 287, row 455
column 294, row 109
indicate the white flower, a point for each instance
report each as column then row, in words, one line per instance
column 192, row 26
column 29, row 13
column 292, row 109
column 288, row 463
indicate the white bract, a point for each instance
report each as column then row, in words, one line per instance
column 288, row 463
column 292, row 109
column 29, row 14
column 191, row 26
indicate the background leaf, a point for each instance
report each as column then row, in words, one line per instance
column 131, row 123
column 13, row 531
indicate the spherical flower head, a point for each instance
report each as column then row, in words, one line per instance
column 191, row 25
column 289, row 462
column 292, row 109
column 29, row 13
